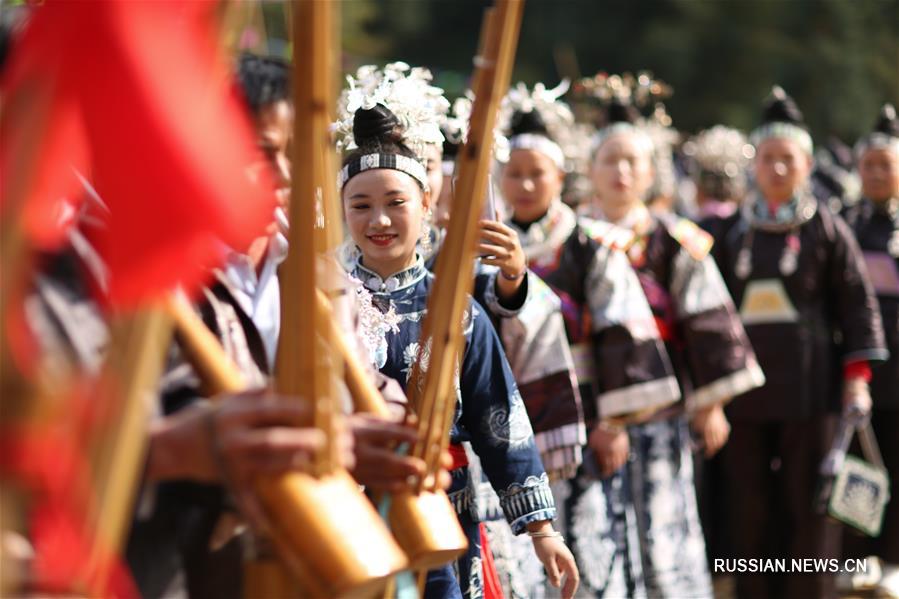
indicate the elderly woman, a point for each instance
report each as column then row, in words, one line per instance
column 799, row 278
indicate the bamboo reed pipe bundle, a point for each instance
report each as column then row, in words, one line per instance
column 425, row 524
column 433, row 392
column 219, row 373
column 328, row 531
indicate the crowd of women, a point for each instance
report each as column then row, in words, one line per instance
column 663, row 339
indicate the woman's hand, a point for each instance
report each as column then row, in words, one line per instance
column 556, row 558
column 712, row 426
column 378, row 466
column 503, row 249
column 856, row 396
column 611, row 446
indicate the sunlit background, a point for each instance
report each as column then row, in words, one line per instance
column 838, row 58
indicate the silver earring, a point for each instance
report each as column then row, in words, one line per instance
column 424, row 241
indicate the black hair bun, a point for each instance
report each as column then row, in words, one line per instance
column 263, row 79
column 450, row 149
column 781, row 108
column 527, row 122
column 375, row 126
column 887, row 122
column 619, row 112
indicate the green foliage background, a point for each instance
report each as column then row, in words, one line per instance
column 838, row 58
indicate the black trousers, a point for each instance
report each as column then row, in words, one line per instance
column 771, row 476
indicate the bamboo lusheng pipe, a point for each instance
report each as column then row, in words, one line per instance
column 424, row 523
column 323, row 520
column 301, row 370
column 448, row 300
column 134, row 364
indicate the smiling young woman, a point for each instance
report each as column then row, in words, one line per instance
column 384, row 212
column 385, row 195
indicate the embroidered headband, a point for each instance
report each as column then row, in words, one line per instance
column 620, row 127
column 397, row 162
column 536, row 120
column 876, row 141
column 539, row 143
column 885, row 135
column 778, row 130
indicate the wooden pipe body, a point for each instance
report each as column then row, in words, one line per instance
column 330, row 535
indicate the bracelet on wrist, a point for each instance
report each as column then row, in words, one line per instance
column 512, row 277
column 550, row 534
column 611, row 426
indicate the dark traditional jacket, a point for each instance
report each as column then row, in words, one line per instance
column 620, row 360
column 62, row 313
column 532, row 332
column 876, row 227
column 800, row 282
column 705, row 339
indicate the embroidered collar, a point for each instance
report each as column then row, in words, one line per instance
column 638, row 219
column 544, row 237
column 395, row 282
column 795, row 213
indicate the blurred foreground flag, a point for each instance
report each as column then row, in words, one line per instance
column 135, row 95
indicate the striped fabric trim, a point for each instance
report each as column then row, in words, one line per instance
column 636, row 398
column 486, row 505
column 560, row 450
column 519, row 525
column 461, row 500
column 562, row 463
column 570, row 434
column 726, row 387
column 584, row 368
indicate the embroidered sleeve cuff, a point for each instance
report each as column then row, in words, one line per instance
column 867, row 355
column 726, row 387
column 520, row 526
column 496, row 305
column 530, row 502
column 655, row 394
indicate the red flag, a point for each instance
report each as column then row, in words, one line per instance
column 47, row 461
column 135, row 93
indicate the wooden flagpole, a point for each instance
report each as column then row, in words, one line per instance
column 128, row 386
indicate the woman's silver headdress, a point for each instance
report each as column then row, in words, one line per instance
column 420, row 107
column 556, row 115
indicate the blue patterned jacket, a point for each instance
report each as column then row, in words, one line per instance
column 490, row 413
